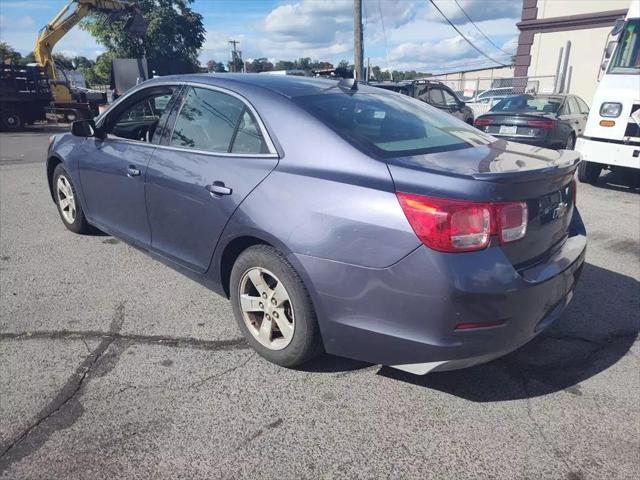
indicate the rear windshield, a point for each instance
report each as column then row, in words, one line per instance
column 390, row 125
column 528, row 103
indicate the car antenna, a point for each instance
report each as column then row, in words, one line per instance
column 348, row 85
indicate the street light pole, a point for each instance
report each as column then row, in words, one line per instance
column 357, row 40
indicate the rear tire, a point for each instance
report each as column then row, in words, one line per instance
column 66, row 198
column 571, row 142
column 10, row 120
column 253, row 307
column 588, row 172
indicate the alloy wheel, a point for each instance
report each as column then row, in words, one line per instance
column 266, row 308
column 66, row 200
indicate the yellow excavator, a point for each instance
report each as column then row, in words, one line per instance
column 67, row 101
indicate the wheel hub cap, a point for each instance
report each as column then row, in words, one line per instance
column 266, row 308
column 66, row 200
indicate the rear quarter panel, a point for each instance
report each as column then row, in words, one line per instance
column 325, row 198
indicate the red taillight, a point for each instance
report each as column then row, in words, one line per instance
column 512, row 221
column 462, row 226
column 482, row 122
column 474, row 325
column 542, row 124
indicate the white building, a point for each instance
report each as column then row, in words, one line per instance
column 546, row 27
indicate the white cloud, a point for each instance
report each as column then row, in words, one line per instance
column 309, row 23
column 477, row 10
column 452, row 48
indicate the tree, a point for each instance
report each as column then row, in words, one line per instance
column 8, row 54
column 344, row 69
column 285, row 65
column 29, row 58
column 175, row 34
column 101, row 71
column 259, row 65
column 213, row 66
column 236, row 64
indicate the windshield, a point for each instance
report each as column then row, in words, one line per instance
column 390, row 125
column 528, row 103
column 626, row 58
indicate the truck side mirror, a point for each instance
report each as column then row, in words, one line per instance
column 611, row 46
column 83, row 128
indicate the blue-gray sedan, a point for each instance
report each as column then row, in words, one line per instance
column 335, row 217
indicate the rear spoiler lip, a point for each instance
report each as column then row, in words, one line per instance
column 559, row 169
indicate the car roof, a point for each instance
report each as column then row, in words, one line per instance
column 287, row 85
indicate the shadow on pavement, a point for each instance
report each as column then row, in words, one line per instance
column 620, row 181
column 597, row 329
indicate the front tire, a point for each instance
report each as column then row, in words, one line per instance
column 588, row 172
column 273, row 308
column 67, row 201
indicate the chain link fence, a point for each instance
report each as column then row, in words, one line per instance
column 483, row 93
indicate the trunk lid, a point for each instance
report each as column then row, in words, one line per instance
column 518, row 124
column 501, row 172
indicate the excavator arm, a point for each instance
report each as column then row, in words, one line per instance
column 63, row 22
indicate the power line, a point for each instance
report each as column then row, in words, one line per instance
column 465, row 38
column 478, row 28
column 384, row 34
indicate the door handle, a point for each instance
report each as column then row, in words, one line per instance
column 217, row 189
column 132, row 171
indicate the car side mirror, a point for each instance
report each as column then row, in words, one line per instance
column 83, row 128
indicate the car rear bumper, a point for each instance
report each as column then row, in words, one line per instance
column 406, row 315
column 609, row 153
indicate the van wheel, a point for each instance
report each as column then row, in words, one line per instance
column 588, row 172
column 273, row 308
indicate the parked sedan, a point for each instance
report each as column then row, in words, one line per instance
column 334, row 217
column 551, row 121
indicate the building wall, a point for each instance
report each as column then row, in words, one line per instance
column 585, row 57
column 560, row 8
column 497, row 72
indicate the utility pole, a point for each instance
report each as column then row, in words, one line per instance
column 234, row 54
column 357, row 40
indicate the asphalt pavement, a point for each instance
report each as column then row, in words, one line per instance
column 112, row 366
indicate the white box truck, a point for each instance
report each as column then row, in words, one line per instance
column 612, row 136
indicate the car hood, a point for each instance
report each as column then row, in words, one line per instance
column 490, row 159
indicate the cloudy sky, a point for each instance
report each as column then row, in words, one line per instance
column 398, row 34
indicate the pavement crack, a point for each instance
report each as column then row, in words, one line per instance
column 241, row 364
column 63, row 410
column 180, row 342
column 539, row 428
column 270, row 426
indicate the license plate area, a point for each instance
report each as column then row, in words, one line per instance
column 508, row 129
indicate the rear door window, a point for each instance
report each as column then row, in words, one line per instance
column 216, row 122
column 574, row 108
column 449, row 98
